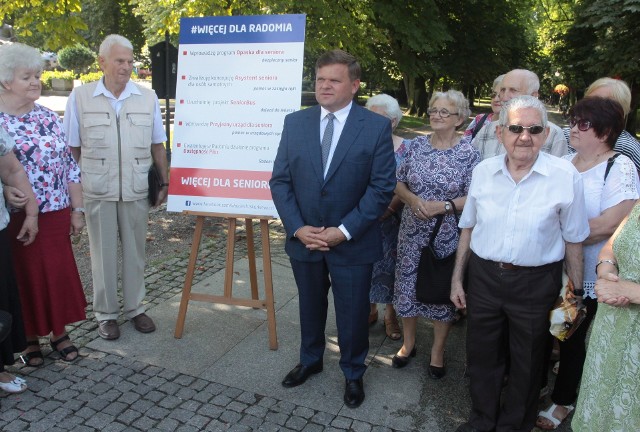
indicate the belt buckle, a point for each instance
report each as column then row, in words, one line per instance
column 505, row 266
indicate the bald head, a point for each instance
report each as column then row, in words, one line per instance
column 519, row 82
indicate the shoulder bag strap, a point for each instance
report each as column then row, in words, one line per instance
column 479, row 126
column 436, row 228
column 610, row 163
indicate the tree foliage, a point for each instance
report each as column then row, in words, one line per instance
column 76, row 57
column 53, row 23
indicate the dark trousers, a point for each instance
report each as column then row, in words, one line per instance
column 573, row 352
column 508, row 314
column 350, row 285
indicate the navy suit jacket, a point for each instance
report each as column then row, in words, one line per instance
column 356, row 191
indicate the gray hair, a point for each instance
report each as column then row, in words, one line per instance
column 532, row 80
column 497, row 82
column 388, row 104
column 523, row 102
column 457, row 99
column 618, row 91
column 111, row 41
column 17, row 55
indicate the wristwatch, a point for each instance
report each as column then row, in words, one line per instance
column 77, row 209
column 447, row 207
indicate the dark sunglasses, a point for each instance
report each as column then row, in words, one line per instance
column 533, row 130
column 583, row 124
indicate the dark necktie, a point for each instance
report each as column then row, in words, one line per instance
column 326, row 140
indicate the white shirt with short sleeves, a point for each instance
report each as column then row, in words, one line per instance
column 525, row 223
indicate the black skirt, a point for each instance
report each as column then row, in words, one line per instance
column 10, row 302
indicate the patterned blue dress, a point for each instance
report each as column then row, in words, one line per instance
column 433, row 175
column 384, row 271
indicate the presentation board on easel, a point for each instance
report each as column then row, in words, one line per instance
column 238, row 77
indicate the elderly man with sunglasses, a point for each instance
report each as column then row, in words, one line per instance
column 519, row 82
column 524, row 215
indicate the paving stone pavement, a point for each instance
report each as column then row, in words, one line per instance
column 107, row 392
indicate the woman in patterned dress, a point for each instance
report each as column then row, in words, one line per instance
column 436, row 168
column 609, row 397
column 50, row 288
column 384, row 271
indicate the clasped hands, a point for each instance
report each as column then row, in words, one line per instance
column 423, row 209
column 320, row 238
column 610, row 290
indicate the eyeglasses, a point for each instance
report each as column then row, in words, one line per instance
column 495, row 95
column 444, row 113
column 583, row 124
column 533, row 130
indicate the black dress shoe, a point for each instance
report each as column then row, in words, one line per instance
column 300, row 373
column 436, row 372
column 400, row 361
column 354, row 393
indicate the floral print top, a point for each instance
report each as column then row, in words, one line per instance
column 41, row 147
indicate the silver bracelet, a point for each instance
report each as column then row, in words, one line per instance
column 612, row 262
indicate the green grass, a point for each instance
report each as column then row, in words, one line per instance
column 411, row 122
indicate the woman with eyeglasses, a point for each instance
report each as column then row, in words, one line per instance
column 481, row 120
column 433, row 179
column 610, row 190
column 617, row 90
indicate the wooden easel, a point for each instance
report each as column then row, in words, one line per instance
column 228, row 298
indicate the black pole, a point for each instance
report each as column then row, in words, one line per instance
column 167, row 84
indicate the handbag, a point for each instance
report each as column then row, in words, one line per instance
column 433, row 283
column 154, row 184
column 566, row 317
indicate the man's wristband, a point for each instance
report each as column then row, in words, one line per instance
column 578, row 292
column 164, row 184
column 77, row 209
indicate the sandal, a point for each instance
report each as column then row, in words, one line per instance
column 392, row 328
column 548, row 415
column 33, row 358
column 65, row 352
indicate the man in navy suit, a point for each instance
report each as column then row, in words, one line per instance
column 330, row 212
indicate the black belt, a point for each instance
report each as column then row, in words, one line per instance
column 514, row 267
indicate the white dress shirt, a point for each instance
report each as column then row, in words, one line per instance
column 525, row 223
column 72, row 122
column 338, row 125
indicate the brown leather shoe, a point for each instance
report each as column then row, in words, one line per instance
column 143, row 323
column 108, row 329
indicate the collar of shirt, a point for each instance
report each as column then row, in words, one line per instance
column 341, row 114
column 540, row 166
column 116, row 103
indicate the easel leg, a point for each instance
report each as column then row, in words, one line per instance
column 251, row 251
column 188, row 281
column 231, row 244
column 268, row 284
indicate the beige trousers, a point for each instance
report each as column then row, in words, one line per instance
column 106, row 222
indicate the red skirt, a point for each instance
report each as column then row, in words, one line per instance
column 48, row 280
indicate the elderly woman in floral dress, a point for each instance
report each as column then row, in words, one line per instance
column 50, row 288
column 436, row 169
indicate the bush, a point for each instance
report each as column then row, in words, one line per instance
column 90, row 77
column 77, row 58
column 47, row 76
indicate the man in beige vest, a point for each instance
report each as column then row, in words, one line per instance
column 115, row 131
